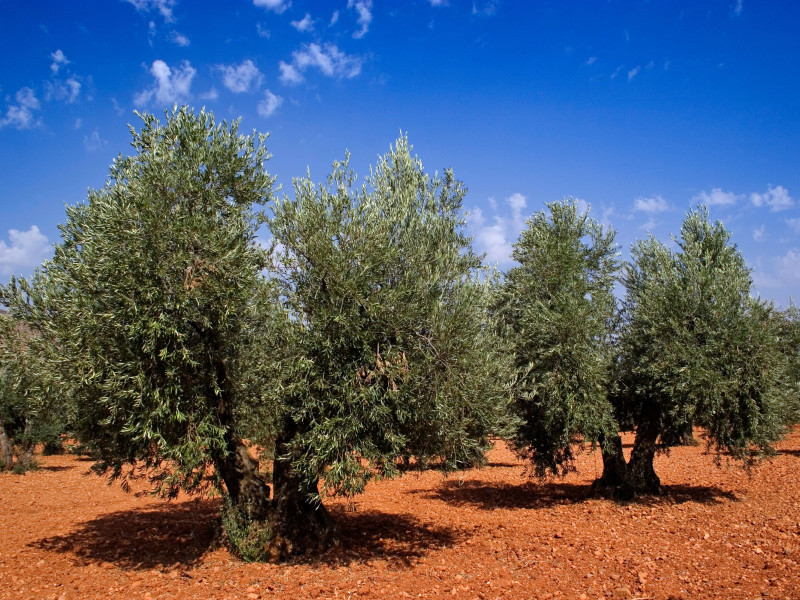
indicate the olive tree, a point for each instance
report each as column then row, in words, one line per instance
column 557, row 308
column 695, row 349
column 153, row 301
column 395, row 354
column 32, row 409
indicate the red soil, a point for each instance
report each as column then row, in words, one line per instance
column 489, row 533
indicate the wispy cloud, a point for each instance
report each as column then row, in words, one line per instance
column 363, row 9
column 171, row 85
column 93, row 141
column 634, row 72
column 180, row 39
column 269, row 104
column 758, row 234
column 653, row 205
column 591, row 60
column 496, row 237
column 716, row 197
column 163, row 7
column 737, row 8
column 67, row 90
column 20, row 115
column 262, row 31
column 794, row 224
column 24, row 251
column 278, row 6
column 304, row 25
column 58, row 60
column 330, row 61
column 777, row 198
column 241, row 78
column 485, row 8
column 439, row 2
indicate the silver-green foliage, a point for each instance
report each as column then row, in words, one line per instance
column 557, row 307
column 696, row 348
column 388, row 310
column 155, row 296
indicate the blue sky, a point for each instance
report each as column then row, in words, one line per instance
column 639, row 109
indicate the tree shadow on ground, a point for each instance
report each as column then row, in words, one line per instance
column 146, row 538
column 791, row 452
column 398, row 540
column 54, row 469
column 491, row 496
column 529, row 495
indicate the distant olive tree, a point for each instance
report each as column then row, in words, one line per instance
column 557, row 308
column 695, row 349
column 32, row 408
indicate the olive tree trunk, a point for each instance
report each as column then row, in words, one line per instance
column 6, row 450
column 298, row 521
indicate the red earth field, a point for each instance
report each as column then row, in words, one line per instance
column 489, row 533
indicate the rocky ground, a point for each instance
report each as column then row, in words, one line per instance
column 718, row 532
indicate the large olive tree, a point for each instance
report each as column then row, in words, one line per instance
column 394, row 353
column 153, row 301
column 695, row 349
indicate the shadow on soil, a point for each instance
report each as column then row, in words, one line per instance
column 398, row 540
column 177, row 536
column 170, row 535
column 529, row 495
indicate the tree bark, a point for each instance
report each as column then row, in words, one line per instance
column 299, row 523
column 641, row 475
column 6, row 450
column 614, row 480
column 237, row 467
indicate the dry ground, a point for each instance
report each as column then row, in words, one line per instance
column 490, row 533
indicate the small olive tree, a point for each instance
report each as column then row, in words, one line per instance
column 557, row 308
column 695, row 349
column 32, row 409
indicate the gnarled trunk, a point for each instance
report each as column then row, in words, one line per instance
column 641, row 475
column 6, row 450
column 299, row 523
column 614, row 480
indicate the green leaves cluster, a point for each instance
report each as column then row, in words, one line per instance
column 389, row 306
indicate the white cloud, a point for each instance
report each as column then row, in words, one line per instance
column 777, row 198
column 591, row 60
column 648, row 225
column 439, row 2
column 331, row 61
column 650, row 205
column 617, row 71
column 171, row 86
column 794, row 224
column 633, row 72
column 58, row 60
column 211, row 94
column 364, row 10
column 496, row 238
column 269, row 104
column 241, row 78
column 278, row 6
column 485, row 8
column 67, row 91
column 758, row 234
column 787, row 267
column 20, row 115
column 716, row 197
column 24, row 250
column 334, row 18
column 78, row 123
column 289, row 73
column 262, row 31
column 92, row 141
column 306, row 24
column 164, row 7
column 737, row 7
column 180, row 39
